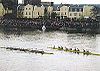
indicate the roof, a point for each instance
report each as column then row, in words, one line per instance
column 56, row 7
column 71, row 7
column 20, row 7
column 77, row 8
column 1, row 5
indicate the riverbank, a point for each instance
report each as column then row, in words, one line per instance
column 70, row 26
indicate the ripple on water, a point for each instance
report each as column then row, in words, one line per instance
column 60, row 61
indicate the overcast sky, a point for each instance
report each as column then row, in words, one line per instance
column 72, row 1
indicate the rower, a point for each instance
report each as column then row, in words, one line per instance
column 75, row 50
column 66, row 49
column 61, row 48
column 36, row 51
column 42, row 52
column 78, row 51
column 58, row 47
column 84, row 52
column 87, row 52
column 70, row 49
column 54, row 47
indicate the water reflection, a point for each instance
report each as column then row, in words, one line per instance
column 82, row 41
column 60, row 61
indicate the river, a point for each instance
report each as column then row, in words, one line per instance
column 59, row 61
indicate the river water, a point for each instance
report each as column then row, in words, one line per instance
column 60, row 61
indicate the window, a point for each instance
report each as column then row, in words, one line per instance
column 75, row 14
column 61, row 13
column 29, row 8
column 70, row 9
column 29, row 13
column 79, row 14
column 26, row 8
column 22, row 13
column 78, row 10
column 26, row 13
column 73, row 10
column 38, row 13
column 81, row 10
column 70, row 14
column 25, row 16
column 65, row 13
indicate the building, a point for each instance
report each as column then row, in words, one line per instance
column 38, row 11
column 30, row 11
column 87, row 11
column 73, row 11
column 20, row 10
column 62, row 11
column 12, row 5
column 50, row 9
column 76, row 11
column 32, row 2
column 2, row 10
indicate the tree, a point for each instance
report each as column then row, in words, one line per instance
column 81, row 18
column 45, row 17
column 45, row 14
column 53, row 15
column 95, row 12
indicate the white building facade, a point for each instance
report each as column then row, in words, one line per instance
column 63, row 11
column 30, row 11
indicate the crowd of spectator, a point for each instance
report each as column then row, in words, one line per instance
column 51, row 24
